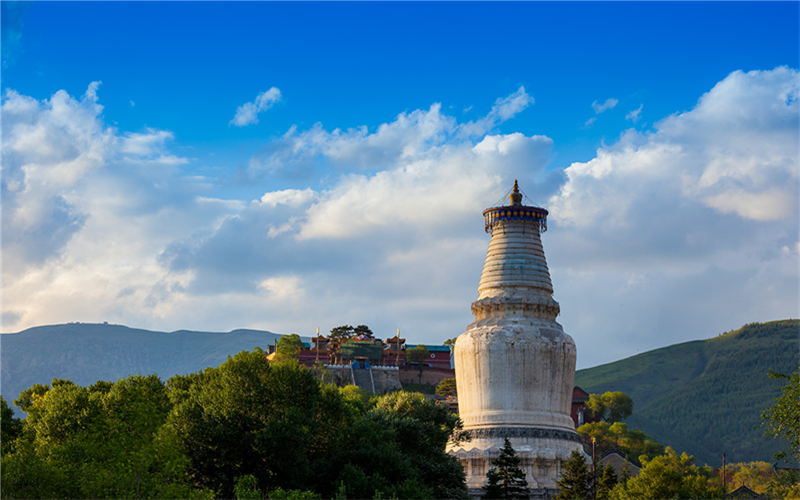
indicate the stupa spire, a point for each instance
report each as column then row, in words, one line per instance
column 516, row 196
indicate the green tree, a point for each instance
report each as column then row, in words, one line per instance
column 29, row 396
column 246, row 488
column 670, row 476
column 784, row 484
column 505, row 479
column 632, row 442
column 782, row 420
column 418, row 355
column 79, row 443
column 611, row 406
column 606, row 482
column 575, row 482
column 289, row 347
column 250, row 417
column 755, row 475
column 10, row 427
column 363, row 330
column 342, row 333
column 447, row 387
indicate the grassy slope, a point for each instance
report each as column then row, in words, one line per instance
column 705, row 397
column 85, row 353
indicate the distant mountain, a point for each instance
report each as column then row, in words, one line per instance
column 86, row 353
column 705, row 397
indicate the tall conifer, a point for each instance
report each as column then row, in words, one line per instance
column 575, row 480
column 505, row 479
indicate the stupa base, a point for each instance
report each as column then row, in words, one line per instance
column 541, row 451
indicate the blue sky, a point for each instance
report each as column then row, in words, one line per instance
column 661, row 136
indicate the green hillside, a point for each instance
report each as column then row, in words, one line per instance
column 705, row 397
column 86, row 353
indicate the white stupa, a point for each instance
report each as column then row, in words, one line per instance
column 515, row 366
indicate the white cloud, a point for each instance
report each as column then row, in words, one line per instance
column 247, row 113
column 590, row 122
column 84, row 212
column 664, row 236
column 699, row 206
column 634, row 114
column 608, row 104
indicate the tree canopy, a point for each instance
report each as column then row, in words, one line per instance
column 265, row 427
column 782, row 420
column 618, row 436
column 610, row 406
column 670, row 476
column 447, row 387
column 289, row 346
column 345, row 332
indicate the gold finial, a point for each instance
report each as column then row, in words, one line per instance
column 516, row 196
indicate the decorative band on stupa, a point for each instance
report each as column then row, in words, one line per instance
column 516, row 212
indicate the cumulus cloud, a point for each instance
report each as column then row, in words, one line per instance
column 297, row 154
column 605, row 106
column 247, row 113
column 85, row 207
column 689, row 228
column 708, row 196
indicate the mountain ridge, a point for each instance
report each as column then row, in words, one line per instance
column 705, row 396
column 88, row 352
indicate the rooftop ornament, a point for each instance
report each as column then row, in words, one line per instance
column 516, row 212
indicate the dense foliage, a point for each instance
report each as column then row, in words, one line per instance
column 104, row 441
column 266, row 427
column 610, row 407
column 447, row 387
column 670, row 476
column 706, row 396
column 632, row 442
column 783, row 418
column 345, row 332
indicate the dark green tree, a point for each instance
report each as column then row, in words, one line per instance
column 342, row 333
column 418, row 355
column 10, row 427
column 606, row 482
column 505, row 479
column 575, row 482
column 783, row 418
column 363, row 330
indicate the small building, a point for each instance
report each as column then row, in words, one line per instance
column 621, row 463
column 743, row 492
column 579, row 410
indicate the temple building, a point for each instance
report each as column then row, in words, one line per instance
column 515, row 366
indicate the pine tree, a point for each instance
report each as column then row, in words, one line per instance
column 606, row 482
column 575, row 480
column 505, row 479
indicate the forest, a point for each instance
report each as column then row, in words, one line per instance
column 272, row 426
